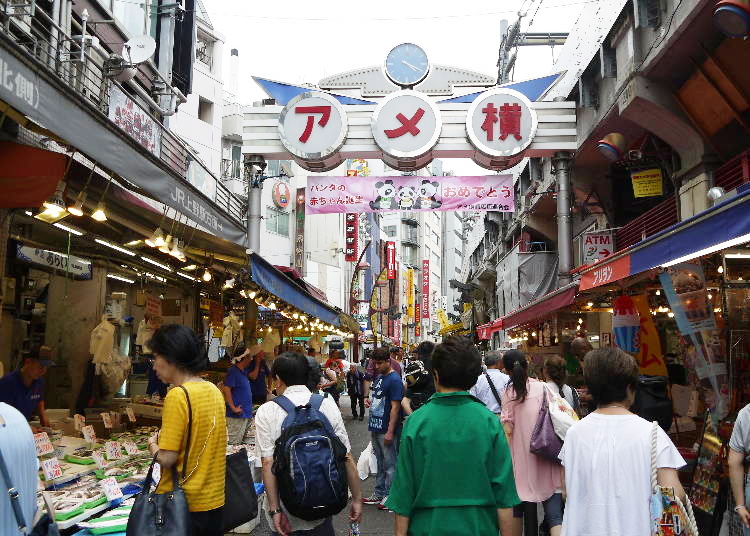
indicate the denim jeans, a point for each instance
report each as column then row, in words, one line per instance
column 386, row 456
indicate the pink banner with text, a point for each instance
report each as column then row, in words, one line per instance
column 330, row 195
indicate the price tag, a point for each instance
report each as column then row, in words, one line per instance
column 79, row 421
column 130, row 447
column 131, row 414
column 51, row 469
column 89, row 434
column 107, row 420
column 43, row 444
column 113, row 450
column 99, row 460
column 111, row 488
column 59, row 452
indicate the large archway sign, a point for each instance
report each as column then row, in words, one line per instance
column 407, row 129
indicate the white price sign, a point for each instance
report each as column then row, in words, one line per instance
column 99, row 460
column 79, row 421
column 107, row 420
column 51, row 469
column 89, row 434
column 130, row 447
column 131, row 414
column 43, row 444
column 111, row 488
column 113, row 450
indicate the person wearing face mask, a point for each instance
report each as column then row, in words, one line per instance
column 24, row 388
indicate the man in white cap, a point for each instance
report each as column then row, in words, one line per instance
column 239, row 396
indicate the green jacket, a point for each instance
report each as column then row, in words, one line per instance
column 454, row 469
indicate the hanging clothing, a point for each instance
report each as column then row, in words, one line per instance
column 102, row 342
column 231, row 331
column 143, row 335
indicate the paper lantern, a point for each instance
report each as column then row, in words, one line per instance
column 732, row 17
column 612, row 146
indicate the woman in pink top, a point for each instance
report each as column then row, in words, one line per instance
column 538, row 480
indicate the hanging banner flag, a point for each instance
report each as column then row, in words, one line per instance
column 351, row 237
column 626, row 324
column 650, row 358
column 685, row 288
column 647, row 183
column 417, row 332
column 331, row 195
column 410, row 292
column 299, row 232
column 390, row 255
column 426, row 289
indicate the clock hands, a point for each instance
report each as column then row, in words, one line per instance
column 410, row 66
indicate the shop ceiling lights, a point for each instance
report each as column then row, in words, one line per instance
column 206, row 275
column 99, row 214
column 156, row 240
column 191, row 267
column 186, row 276
column 737, row 256
column 707, row 251
column 114, row 246
column 120, row 278
column 176, row 252
column 76, row 209
column 252, row 294
column 164, row 248
column 55, row 205
column 68, row 229
column 156, row 263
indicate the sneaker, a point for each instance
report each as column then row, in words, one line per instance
column 372, row 499
column 382, row 507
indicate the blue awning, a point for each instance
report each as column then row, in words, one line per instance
column 272, row 280
column 283, row 93
column 532, row 89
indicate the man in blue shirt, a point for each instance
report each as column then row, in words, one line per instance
column 385, row 406
column 18, row 453
column 259, row 373
column 239, row 398
column 24, row 389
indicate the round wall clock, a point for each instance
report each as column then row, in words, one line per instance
column 407, row 64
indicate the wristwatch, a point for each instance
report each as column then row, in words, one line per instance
column 274, row 512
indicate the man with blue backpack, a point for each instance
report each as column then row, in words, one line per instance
column 305, row 454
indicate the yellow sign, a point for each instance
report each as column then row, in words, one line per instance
column 647, row 183
column 442, row 318
column 410, row 292
column 650, row 358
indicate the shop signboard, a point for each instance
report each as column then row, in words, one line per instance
column 647, row 183
column 406, row 124
column 43, row 444
column 390, row 255
column 135, row 121
column 299, row 231
column 650, row 358
column 597, row 245
column 313, row 126
column 501, row 122
column 51, row 469
column 417, row 316
column 78, row 267
column 426, row 290
column 685, row 288
column 608, row 272
column 153, row 305
column 410, row 298
column 281, row 195
column 351, row 237
column 335, row 195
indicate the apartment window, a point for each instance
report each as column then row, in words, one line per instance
column 137, row 18
column 390, row 230
column 434, row 259
column 436, row 238
column 205, row 110
column 204, row 50
column 410, row 256
column 236, row 161
column 277, row 221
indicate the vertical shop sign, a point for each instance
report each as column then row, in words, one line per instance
column 650, row 358
column 299, row 232
column 410, row 292
column 351, row 237
column 417, row 331
column 390, row 254
column 426, row 290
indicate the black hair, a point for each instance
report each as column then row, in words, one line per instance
column 555, row 368
column 608, row 372
column 425, row 349
column 517, row 367
column 180, row 346
column 292, row 368
column 395, row 349
column 380, row 354
column 457, row 363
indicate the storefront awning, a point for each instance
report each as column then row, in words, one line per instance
column 29, row 175
column 542, row 307
column 711, row 230
column 272, row 280
column 485, row 331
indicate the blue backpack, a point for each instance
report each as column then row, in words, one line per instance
column 309, row 462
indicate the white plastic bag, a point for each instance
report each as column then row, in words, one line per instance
column 562, row 414
column 367, row 463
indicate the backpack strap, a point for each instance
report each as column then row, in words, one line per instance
column 287, row 406
column 494, row 390
column 316, row 400
column 13, row 497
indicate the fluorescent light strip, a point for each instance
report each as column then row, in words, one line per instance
column 28, row 213
column 114, row 246
column 707, row 251
column 155, row 263
column 120, row 278
column 186, row 276
column 737, row 256
column 69, row 229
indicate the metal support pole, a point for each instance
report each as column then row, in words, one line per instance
column 254, row 167
column 561, row 163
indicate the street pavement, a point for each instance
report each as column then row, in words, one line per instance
column 374, row 522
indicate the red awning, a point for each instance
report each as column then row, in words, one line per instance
column 485, row 331
column 542, row 307
column 29, row 175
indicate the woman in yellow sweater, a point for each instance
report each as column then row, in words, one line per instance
column 179, row 357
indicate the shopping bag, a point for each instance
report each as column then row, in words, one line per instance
column 544, row 439
column 561, row 412
column 240, row 500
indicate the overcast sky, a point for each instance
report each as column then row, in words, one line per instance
column 299, row 41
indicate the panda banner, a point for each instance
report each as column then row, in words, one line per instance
column 330, row 195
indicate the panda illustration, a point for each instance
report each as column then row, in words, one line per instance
column 407, row 195
column 427, row 192
column 386, row 195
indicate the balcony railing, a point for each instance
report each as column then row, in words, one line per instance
column 80, row 65
column 647, row 224
column 734, row 172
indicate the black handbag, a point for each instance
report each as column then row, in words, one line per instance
column 240, row 500
column 163, row 514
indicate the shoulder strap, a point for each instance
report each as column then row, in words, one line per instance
column 190, row 428
column 290, row 409
column 13, row 496
column 494, row 390
column 315, row 401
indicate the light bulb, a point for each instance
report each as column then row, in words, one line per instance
column 272, row 306
column 658, row 292
column 710, row 296
column 164, row 248
column 580, row 320
column 670, row 314
column 206, row 275
column 590, row 304
column 76, row 209
column 269, row 329
column 295, row 316
column 721, row 269
column 156, row 239
column 99, row 214
column 252, row 294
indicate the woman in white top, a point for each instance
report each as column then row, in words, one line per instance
column 555, row 374
column 607, row 455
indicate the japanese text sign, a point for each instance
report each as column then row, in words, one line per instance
column 313, row 125
column 134, row 120
column 417, row 315
column 113, row 450
column 685, row 288
column 99, row 459
column 106, row 419
column 43, row 444
column 130, row 413
column 153, row 305
column 650, row 357
column 89, row 434
column 51, row 469
column 79, row 421
column 75, row 266
column 597, row 245
column 299, row 231
column 426, row 289
column 406, row 124
column 130, row 447
column 647, row 183
column 608, row 272
column 501, row 122
column 390, row 256
column 351, row 237
column 331, row 195
column 111, row 488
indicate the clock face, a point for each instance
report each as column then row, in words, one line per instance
column 407, row 64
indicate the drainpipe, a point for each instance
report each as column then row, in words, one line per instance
column 561, row 164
